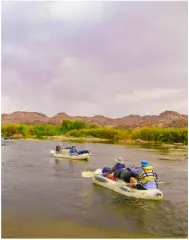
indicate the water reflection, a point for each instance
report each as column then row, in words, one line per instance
column 164, row 149
column 71, row 162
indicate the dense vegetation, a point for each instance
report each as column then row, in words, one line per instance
column 44, row 130
column 80, row 128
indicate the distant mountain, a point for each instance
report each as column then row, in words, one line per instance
column 164, row 119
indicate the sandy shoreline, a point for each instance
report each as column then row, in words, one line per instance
column 86, row 139
column 101, row 140
column 64, row 138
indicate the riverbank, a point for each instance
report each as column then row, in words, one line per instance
column 89, row 140
column 68, row 139
column 100, row 140
column 78, row 139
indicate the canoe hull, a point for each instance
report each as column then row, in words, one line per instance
column 121, row 188
column 9, row 141
column 67, row 156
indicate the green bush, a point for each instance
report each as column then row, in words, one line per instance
column 104, row 132
column 165, row 135
column 79, row 128
column 68, row 125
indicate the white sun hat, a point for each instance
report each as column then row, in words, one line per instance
column 119, row 160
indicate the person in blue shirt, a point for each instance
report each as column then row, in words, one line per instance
column 73, row 150
column 145, row 176
column 116, row 169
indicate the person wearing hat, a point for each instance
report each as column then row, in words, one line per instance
column 73, row 150
column 58, row 148
column 116, row 169
column 145, row 176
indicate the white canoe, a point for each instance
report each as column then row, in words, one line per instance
column 8, row 140
column 66, row 155
column 121, row 187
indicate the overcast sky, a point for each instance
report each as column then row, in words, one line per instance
column 94, row 58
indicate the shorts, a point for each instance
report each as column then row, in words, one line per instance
column 140, row 187
column 125, row 176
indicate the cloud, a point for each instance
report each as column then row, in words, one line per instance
column 149, row 95
column 73, row 11
column 108, row 58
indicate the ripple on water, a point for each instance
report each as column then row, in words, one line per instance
column 34, row 187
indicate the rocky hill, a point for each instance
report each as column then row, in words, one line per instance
column 164, row 119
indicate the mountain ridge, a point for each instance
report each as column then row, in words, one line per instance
column 164, row 119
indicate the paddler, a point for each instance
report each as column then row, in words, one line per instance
column 116, row 169
column 73, row 150
column 58, row 148
column 145, row 176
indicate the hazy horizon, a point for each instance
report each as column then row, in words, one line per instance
column 95, row 58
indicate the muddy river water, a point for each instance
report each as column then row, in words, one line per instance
column 44, row 197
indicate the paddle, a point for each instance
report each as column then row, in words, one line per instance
column 52, row 151
column 127, row 184
column 88, row 174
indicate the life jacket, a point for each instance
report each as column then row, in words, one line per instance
column 147, row 175
column 73, row 150
column 119, row 166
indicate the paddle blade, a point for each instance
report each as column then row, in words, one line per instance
column 87, row 174
column 169, row 182
column 52, row 151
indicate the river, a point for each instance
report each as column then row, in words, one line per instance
column 46, row 198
